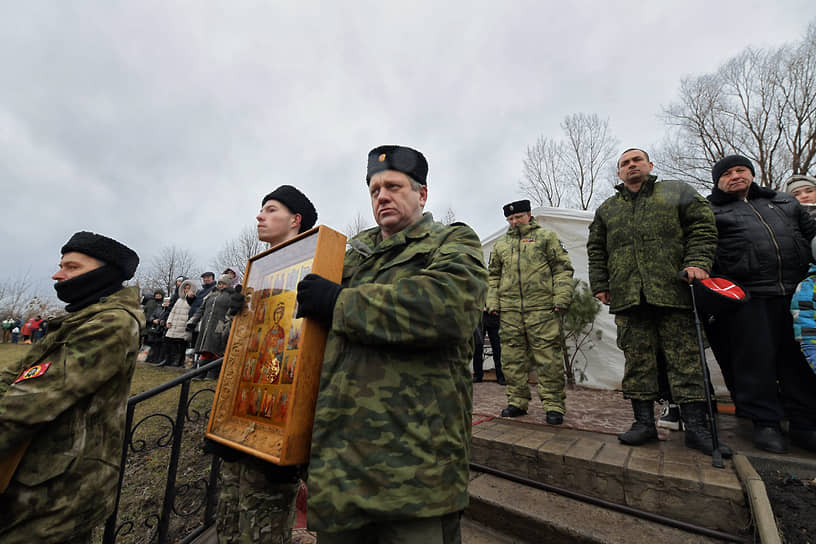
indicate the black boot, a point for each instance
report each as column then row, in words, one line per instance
column 698, row 434
column 643, row 429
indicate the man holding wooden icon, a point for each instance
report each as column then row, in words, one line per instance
column 391, row 437
column 257, row 499
column 65, row 400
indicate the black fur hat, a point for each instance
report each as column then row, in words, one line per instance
column 105, row 249
column 518, row 206
column 409, row 161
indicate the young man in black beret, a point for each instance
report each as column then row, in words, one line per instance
column 67, row 398
column 257, row 498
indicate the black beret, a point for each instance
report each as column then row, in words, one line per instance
column 402, row 159
column 729, row 162
column 516, row 207
column 297, row 203
column 105, row 249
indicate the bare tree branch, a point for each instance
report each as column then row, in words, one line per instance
column 236, row 252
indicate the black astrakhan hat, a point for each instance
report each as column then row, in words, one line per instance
column 717, row 295
column 516, row 207
column 105, row 249
column 402, row 159
column 297, row 202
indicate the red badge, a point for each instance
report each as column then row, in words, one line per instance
column 34, row 372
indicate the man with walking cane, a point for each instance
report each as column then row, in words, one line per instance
column 638, row 241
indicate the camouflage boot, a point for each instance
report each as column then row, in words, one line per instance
column 698, row 435
column 643, row 429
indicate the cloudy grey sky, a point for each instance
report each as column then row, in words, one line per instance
column 164, row 122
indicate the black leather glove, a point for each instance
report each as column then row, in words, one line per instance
column 189, row 327
column 220, row 450
column 236, row 303
column 316, row 297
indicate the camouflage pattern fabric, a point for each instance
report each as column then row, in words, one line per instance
column 642, row 331
column 436, row 530
column 391, row 438
column 638, row 242
column 529, row 270
column 530, row 273
column 531, row 341
column 74, row 412
column 251, row 509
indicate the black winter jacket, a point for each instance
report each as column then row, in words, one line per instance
column 764, row 242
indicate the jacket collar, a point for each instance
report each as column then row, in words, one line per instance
column 370, row 241
column 719, row 197
column 645, row 189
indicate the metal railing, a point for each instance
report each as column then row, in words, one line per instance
column 156, row 526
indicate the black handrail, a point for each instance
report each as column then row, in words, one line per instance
column 161, row 521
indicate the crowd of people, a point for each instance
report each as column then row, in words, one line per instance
column 392, row 424
column 30, row 330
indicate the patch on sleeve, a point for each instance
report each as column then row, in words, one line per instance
column 34, row 372
column 560, row 243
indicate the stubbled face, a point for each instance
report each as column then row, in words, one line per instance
column 736, row 179
column 634, row 168
column 396, row 205
column 206, row 280
column 805, row 195
column 275, row 222
column 521, row 218
column 73, row 264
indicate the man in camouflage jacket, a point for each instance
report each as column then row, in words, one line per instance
column 391, row 437
column 67, row 397
column 530, row 280
column 639, row 241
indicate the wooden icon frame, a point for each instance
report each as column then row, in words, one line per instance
column 265, row 399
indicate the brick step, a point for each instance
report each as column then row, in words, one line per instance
column 662, row 478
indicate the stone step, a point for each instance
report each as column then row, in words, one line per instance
column 662, row 477
column 522, row 514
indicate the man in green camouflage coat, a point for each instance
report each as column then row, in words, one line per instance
column 639, row 241
column 530, row 279
column 67, row 397
column 391, row 437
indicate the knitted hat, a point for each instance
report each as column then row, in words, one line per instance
column 518, row 206
column 297, row 202
column 105, row 249
column 729, row 162
column 799, row 180
column 402, row 159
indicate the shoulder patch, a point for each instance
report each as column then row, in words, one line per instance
column 34, row 372
column 560, row 243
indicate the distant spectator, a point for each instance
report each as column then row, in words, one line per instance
column 214, row 323
column 29, row 329
column 175, row 294
column 178, row 337
column 155, row 332
column 8, row 324
column 153, row 303
column 236, row 279
column 207, row 284
column 38, row 332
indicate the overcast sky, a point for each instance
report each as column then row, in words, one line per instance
column 164, row 122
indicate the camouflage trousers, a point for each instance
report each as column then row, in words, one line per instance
column 645, row 330
column 251, row 509
column 436, row 530
column 532, row 341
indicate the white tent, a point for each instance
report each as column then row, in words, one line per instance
column 604, row 368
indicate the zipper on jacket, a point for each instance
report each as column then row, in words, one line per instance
column 776, row 246
column 518, row 266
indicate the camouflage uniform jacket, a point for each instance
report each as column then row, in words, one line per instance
column 639, row 242
column 391, row 437
column 529, row 270
column 74, row 414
